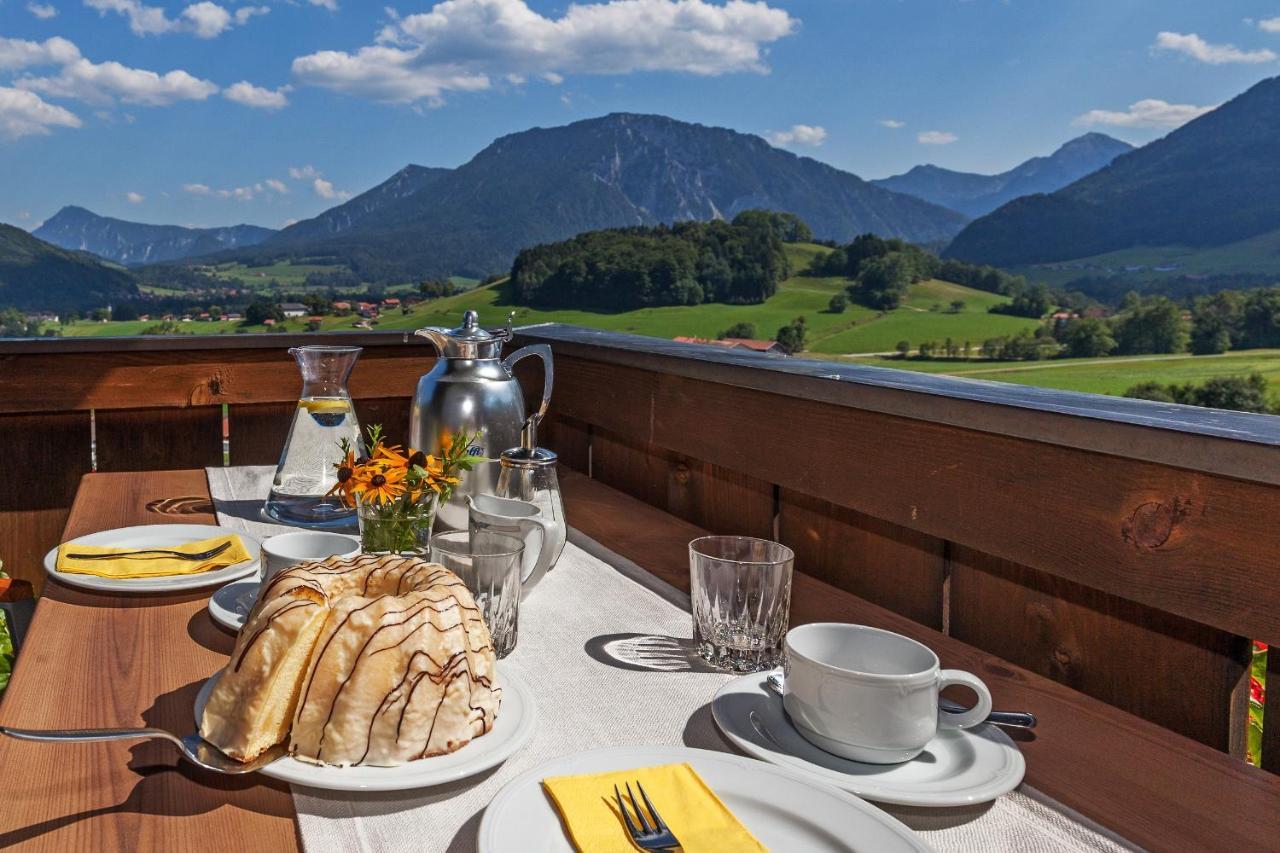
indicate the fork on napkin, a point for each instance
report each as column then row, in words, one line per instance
column 691, row 809
column 130, row 564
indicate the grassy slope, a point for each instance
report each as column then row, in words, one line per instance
column 1104, row 375
column 858, row 329
column 1259, row 254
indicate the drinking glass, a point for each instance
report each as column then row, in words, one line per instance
column 741, row 590
column 489, row 564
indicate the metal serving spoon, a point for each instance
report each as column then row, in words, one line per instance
column 194, row 748
column 1008, row 719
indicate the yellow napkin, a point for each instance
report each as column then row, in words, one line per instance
column 690, row 809
column 133, row 567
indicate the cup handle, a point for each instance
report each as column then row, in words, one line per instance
column 973, row 716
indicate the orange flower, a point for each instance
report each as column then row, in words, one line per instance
column 384, row 486
column 390, row 457
column 348, row 486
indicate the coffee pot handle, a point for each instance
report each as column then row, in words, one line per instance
column 542, row 351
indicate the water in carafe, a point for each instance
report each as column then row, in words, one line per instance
column 324, row 416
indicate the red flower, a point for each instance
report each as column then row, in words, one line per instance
column 1255, row 690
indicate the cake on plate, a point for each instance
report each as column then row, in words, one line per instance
column 374, row 660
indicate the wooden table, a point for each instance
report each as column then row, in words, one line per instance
column 102, row 660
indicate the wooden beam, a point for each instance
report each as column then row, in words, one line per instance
column 1193, row 544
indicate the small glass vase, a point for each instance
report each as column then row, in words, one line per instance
column 397, row 527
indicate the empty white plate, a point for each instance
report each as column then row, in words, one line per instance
column 156, row 536
column 230, row 605
column 783, row 810
column 957, row 768
column 514, row 726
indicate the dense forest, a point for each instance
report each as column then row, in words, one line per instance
column 688, row 263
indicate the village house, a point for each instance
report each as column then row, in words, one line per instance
column 293, row 310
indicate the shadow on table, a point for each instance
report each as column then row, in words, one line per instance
column 204, row 631
column 647, row 653
column 165, row 784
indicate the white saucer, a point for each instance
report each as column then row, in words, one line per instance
column 156, row 536
column 958, row 768
column 517, row 718
column 230, row 605
column 783, row 810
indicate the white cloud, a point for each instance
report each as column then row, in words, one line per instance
column 1270, row 25
column 299, row 173
column 204, row 19
column 331, row 5
column 936, row 137
column 1149, row 112
column 276, row 185
column 892, row 123
column 1197, row 48
column 464, row 45
column 27, row 114
column 196, row 189
column 103, row 83
column 325, row 189
column 799, row 134
column 134, row 198
column 244, row 13
column 237, row 193
column 19, row 53
column 257, row 97
column 43, row 11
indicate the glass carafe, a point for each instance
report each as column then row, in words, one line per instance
column 308, row 465
column 528, row 473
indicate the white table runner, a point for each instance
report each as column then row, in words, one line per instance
column 594, row 601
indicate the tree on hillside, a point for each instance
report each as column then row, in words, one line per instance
column 739, row 330
column 903, row 348
column 788, row 227
column 882, row 282
column 1154, row 326
column 1217, row 323
column 1086, row 337
column 794, row 336
column 260, row 310
column 1028, row 301
column 837, row 304
column 1239, row 393
column 1260, row 321
column 14, row 325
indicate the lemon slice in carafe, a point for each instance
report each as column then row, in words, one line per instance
column 325, row 407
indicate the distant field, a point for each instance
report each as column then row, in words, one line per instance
column 1259, row 254
column 286, row 273
column 1104, row 375
column 923, row 317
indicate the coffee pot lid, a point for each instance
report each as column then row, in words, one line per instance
column 470, row 340
column 528, row 454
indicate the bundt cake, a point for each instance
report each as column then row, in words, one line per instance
column 374, row 659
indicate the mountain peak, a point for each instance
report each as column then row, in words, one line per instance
column 135, row 243
column 976, row 195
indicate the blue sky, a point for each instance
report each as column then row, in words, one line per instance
column 267, row 111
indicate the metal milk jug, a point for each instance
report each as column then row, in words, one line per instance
column 471, row 389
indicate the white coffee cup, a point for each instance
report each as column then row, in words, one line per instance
column 288, row 549
column 870, row 695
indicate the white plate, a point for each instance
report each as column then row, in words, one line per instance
column 517, row 718
column 957, row 768
column 782, row 809
column 230, row 605
column 156, row 536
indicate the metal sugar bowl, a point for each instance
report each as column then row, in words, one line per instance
column 471, row 389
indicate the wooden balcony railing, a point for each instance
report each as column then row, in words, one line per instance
column 1125, row 549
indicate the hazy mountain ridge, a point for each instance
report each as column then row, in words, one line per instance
column 1213, row 181
column 38, row 275
column 976, row 195
column 337, row 220
column 138, row 243
column 548, row 184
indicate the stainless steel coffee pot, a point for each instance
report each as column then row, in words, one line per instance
column 471, row 389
